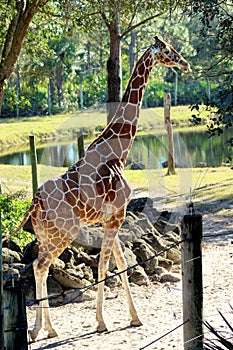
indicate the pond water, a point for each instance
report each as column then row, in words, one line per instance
column 190, row 149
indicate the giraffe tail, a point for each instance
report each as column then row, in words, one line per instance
column 24, row 221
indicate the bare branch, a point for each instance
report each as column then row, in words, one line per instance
column 129, row 29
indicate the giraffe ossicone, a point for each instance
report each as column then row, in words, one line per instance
column 94, row 190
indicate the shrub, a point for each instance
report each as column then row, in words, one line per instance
column 13, row 208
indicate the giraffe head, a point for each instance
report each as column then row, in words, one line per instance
column 166, row 55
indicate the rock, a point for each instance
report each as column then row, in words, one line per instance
column 90, row 238
column 156, row 242
column 88, row 273
column 159, row 270
column 77, row 272
column 171, row 236
column 57, row 264
column 112, row 263
column 112, row 281
column 137, row 166
column 8, row 243
column 139, row 277
column 67, row 255
column 146, row 255
column 55, row 291
column 27, row 271
column 174, row 254
column 28, row 287
column 30, row 252
column 76, row 296
column 169, row 277
column 10, row 273
column 9, row 256
column 152, row 214
column 139, row 204
column 165, row 263
column 128, row 233
column 130, row 257
column 164, row 226
column 69, row 279
column 145, row 223
column 90, row 260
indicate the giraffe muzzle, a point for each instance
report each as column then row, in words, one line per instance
column 187, row 68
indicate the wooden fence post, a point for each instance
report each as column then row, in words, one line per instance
column 192, row 282
column 167, row 120
column 15, row 319
column 81, row 150
column 33, row 163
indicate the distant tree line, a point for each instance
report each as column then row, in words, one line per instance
column 65, row 56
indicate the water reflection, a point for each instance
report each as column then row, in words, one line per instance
column 190, row 149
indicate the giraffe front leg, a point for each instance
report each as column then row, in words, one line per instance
column 38, row 322
column 41, row 292
column 122, row 265
column 102, row 271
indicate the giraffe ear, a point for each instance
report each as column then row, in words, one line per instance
column 159, row 42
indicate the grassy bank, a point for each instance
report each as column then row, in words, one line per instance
column 207, row 185
column 16, row 131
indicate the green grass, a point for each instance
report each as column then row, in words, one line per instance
column 16, row 131
column 207, row 185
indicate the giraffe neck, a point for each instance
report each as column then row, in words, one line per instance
column 119, row 134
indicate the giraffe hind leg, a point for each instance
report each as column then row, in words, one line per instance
column 122, row 265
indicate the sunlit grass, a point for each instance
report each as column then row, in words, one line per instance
column 201, row 185
column 16, row 131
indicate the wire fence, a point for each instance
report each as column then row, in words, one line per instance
column 170, row 289
column 217, row 285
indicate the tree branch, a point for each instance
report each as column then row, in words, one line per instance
column 129, row 29
column 103, row 15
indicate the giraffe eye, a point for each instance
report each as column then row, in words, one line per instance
column 166, row 51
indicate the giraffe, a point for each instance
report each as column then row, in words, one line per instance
column 94, row 190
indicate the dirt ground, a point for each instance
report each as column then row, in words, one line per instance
column 159, row 305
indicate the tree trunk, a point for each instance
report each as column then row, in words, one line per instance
column 59, row 83
column 114, row 68
column 17, row 90
column 133, row 37
column 14, row 39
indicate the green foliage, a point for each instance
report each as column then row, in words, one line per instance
column 13, row 208
column 215, row 46
column 222, row 340
column 67, row 47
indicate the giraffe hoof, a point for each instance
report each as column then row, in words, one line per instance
column 136, row 323
column 33, row 335
column 52, row 334
column 102, row 328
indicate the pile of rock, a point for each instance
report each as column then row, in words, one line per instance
column 144, row 234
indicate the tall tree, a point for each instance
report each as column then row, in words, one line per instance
column 16, row 16
column 216, row 34
column 122, row 17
